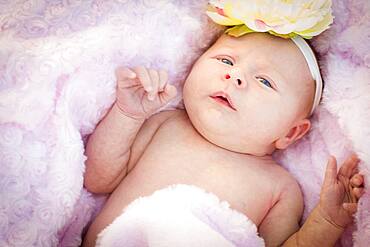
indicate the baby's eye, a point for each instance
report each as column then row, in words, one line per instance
column 264, row 81
column 226, row 61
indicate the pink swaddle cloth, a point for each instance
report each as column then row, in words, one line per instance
column 180, row 215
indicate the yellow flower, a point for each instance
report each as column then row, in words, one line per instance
column 285, row 18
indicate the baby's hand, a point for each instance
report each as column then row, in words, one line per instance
column 340, row 192
column 141, row 91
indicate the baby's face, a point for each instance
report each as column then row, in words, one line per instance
column 245, row 93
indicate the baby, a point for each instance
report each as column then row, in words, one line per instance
column 244, row 98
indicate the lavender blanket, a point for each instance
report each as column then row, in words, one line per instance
column 57, row 61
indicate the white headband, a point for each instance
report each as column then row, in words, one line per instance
column 313, row 66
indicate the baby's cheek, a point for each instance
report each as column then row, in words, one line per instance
column 268, row 131
column 213, row 114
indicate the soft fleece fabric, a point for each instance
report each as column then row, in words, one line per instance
column 180, row 215
column 57, row 61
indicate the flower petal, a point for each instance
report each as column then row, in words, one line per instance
column 279, row 17
column 239, row 30
column 319, row 27
column 222, row 20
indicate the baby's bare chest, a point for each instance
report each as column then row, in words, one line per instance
column 178, row 155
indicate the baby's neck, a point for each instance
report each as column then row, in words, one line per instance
column 251, row 154
column 248, row 155
column 265, row 157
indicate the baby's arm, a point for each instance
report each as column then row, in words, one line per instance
column 140, row 92
column 338, row 202
column 283, row 218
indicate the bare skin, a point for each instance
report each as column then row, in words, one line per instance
column 178, row 154
column 133, row 154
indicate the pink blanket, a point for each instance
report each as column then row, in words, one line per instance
column 57, row 61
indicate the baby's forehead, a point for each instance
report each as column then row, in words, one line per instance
column 260, row 44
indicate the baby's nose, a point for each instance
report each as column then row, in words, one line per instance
column 236, row 77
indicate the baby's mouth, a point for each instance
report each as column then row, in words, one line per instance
column 224, row 99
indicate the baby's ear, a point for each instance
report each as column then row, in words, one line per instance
column 299, row 129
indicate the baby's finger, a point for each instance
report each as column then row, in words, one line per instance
column 163, row 79
column 168, row 93
column 351, row 208
column 357, row 180
column 154, row 76
column 144, row 78
column 331, row 172
column 122, row 74
column 349, row 165
column 358, row 192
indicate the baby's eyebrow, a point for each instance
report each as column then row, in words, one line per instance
column 229, row 50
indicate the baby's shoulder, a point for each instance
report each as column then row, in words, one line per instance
column 159, row 118
column 284, row 182
column 165, row 115
column 280, row 172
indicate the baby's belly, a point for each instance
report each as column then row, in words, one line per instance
column 240, row 189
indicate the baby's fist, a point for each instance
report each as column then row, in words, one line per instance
column 142, row 91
